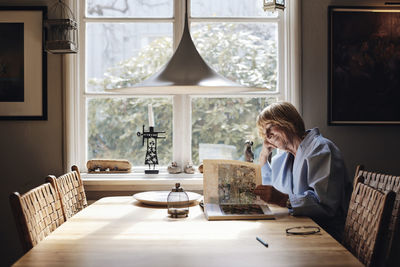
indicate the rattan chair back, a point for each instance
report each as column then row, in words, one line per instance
column 367, row 219
column 37, row 213
column 384, row 183
column 71, row 190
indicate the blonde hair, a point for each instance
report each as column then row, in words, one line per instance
column 283, row 115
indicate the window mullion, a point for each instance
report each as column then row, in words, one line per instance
column 181, row 126
column 182, row 130
column 293, row 47
column 127, row 20
column 282, row 54
column 179, row 19
column 81, row 126
column 234, row 19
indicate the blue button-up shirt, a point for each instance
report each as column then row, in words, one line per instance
column 315, row 180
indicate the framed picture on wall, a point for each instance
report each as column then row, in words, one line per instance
column 364, row 65
column 23, row 63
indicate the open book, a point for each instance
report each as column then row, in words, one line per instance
column 229, row 191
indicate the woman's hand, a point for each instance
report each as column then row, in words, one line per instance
column 265, row 152
column 270, row 195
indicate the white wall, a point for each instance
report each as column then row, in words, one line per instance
column 376, row 147
column 29, row 151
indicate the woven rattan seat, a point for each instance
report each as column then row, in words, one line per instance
column 72, row 192
column 37, row 213
column 366, row 223
column 385, row 182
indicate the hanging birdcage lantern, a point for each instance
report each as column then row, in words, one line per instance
column 274, row 4
column 62, row 30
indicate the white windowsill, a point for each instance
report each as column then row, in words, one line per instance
column 136, row 181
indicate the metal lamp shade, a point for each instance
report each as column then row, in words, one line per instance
column 186, row 73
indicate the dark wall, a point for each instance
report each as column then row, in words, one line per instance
column 376, row 147
column 29, row 151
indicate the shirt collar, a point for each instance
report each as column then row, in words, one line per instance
column 310, row 134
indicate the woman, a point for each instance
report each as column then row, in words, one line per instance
column 309, row 168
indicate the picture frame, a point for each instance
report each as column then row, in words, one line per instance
column 363, row 65
column 23, row 63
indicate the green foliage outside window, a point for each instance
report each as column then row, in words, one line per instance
column 229, row 121
column 113, row 124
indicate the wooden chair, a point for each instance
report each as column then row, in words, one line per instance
column 384, row 183
column 37, row 213
column 367, row 219
column 71, row 190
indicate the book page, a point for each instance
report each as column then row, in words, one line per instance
column 230, row 181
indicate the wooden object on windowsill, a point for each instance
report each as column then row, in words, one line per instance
column 108, row 166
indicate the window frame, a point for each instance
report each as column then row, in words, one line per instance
column 75, row 148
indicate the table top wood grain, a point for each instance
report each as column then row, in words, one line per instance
column 120, row 231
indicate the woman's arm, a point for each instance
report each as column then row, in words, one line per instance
column 265, row 152
column 325, row 183
column 270, row 195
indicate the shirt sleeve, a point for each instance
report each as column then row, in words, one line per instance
column 323, row 195
column 308, row 204
column 278, row 173
column 266, row 174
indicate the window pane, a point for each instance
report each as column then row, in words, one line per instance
column 243, row 52
column 129, row 8
column 220, row 127
column 122, row 54
column 113, row 124
column 229, row 8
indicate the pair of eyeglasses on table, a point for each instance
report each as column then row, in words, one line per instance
column 297, row 230
column 303, row 230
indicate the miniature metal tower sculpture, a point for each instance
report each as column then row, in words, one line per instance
column 151, row 152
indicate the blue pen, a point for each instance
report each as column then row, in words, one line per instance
column 262, row 241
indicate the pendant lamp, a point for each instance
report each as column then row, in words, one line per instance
column 186, row 73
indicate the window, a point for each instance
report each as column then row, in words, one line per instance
column 123, row 42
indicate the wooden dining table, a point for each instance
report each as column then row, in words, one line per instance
column 120, row 231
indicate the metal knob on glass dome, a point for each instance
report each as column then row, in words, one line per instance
column 178, row 202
